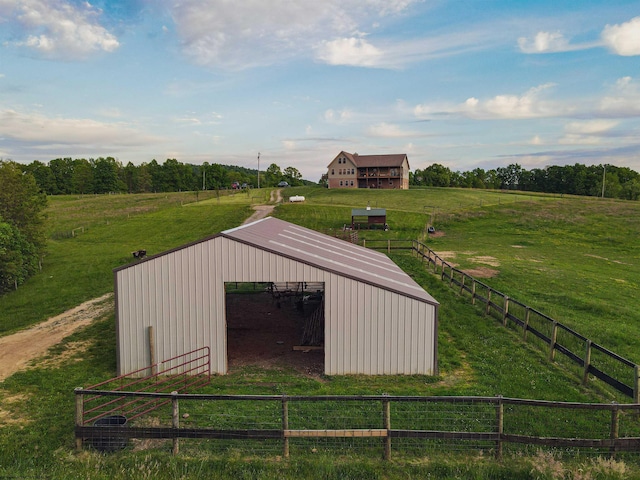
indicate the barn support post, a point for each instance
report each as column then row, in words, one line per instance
column 505, row 311
column 386, row 421
column 499, row 426
column 152, row 351
column 525, row 327
column 285, row 426
column 615, row 428
column 587, row 362
column 552, row 342
column 79, row 420
column 175, row 421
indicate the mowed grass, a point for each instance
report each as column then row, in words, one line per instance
column 477, row 355
column 79, row 268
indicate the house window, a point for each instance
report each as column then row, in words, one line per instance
column 353, row 171
column 340, row 182
column 352, row 183
column 333, row 172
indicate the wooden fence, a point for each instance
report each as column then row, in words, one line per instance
column 594, row 359
column 381, row 422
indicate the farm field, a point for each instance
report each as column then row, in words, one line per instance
column 477, row 355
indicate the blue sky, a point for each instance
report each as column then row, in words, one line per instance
column 465, row 84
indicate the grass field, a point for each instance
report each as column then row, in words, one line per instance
column 570, row 257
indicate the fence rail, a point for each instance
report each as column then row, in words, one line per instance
column 594, row 359
column 379, row 422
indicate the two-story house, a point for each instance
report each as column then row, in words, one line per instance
column 350, row 170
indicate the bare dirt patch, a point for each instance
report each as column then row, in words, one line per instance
column 446, row 255
column 487, row 260
column 437, row 234
column 6, row 415
column 19, row 349
column 261, row 333
column 482, row 272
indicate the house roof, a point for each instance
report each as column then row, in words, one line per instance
column 329, row 253
column 376, row 161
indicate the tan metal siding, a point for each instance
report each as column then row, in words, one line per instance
column 368, row 330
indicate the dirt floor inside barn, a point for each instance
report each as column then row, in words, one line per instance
column 263, row 332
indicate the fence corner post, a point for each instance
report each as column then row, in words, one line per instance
column 175, row 422
column 79, row 420
column 285, row 426
column 386, row 420
column 500, row 426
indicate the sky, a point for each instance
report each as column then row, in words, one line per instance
column 466, row 84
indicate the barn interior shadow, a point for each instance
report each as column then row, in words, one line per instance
column 275, row 325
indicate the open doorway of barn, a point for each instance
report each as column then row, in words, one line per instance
column 274, row 325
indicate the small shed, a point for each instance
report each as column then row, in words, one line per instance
column 369, row 217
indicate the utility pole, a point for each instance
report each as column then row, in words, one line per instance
column 204, row 175
column 604, row 172
column 258, row 169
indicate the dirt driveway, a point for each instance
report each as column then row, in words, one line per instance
column 19, row 349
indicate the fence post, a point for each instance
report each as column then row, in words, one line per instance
column 500, row 426
column 285, row 426
column 79, row 415
column 552, row 343
column 451, row 277
column 525, row 328
column 615, row 426
column 175, row 421
column 587, row 361
column 386, row 420
column 636, row 384
column 505, row 311
column 388, row 246
column 473, row 291
column 488, row 303
column 462, row 284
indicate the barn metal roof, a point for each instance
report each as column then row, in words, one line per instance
column 328, row 253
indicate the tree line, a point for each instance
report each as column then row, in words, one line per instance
column 22, row 234
column 63, row 176
column 594, row 180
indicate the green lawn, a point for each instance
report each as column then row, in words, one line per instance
column 570, row 257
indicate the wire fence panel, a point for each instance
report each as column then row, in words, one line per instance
column 367, row 425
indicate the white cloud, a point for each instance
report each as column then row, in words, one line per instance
column 529, row 105
column 349, row 51
column 237, row 35
column 623, row 100
column 623, row 39
column 387, row 130
column 590, row 132
column 337, row 117
column 43, row 131
column 58, row 28
column 590, row 127
column 544, row 42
